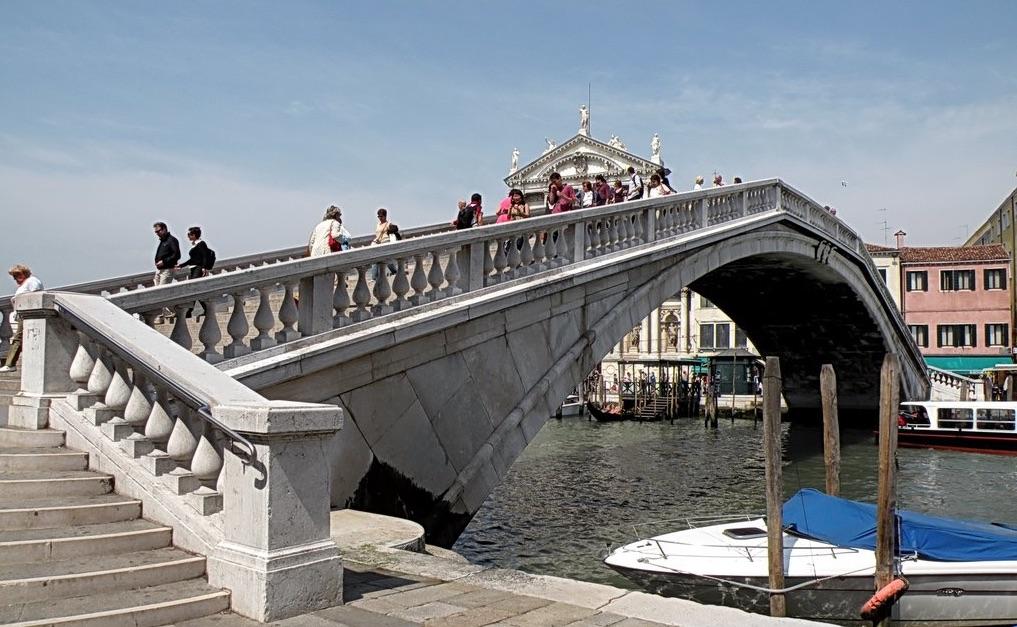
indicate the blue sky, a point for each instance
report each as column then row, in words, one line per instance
column 249, row 118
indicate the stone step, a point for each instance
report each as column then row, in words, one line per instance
column 155, row 605
column 13, row 436
column 28, row 459
column 53, row 483
column 10, row 385
column 47, row 512
column 38, row 545
column 36, row 581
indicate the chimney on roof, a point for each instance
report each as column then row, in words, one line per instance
column 900, row 235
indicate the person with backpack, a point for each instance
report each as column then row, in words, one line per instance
column 470, row 214
column 636, row 186
column 200, row 258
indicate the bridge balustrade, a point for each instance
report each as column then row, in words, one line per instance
column 325, row 293
column 192, row 440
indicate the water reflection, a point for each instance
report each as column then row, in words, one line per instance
column 582, row 487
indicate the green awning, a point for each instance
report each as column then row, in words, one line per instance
column 967, row 365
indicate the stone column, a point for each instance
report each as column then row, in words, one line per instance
column 471, row 263
column 48, row 347
column 315, row 312
column 277, row 557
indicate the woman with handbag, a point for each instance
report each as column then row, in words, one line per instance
column 329, row 236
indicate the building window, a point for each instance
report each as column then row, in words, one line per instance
column 705, row 303
column 741, row 340
column 917, row 281
column 956, row 280
column 996, row 335
column 706, row 336
column 995, row 279
column 956, row 335
column 714, row 336
column 920, row 333
column 882, row 273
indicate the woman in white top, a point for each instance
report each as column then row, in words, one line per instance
column 657, row 187
column 588, row 196
column 331, row 224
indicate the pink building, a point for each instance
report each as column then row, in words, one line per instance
column 956, row 303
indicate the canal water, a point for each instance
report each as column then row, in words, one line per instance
column 582, row 487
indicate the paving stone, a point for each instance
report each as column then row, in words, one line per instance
column 306, row 620
column 478, row 598
column 637, row 622
column 359, row 617
column 428, row 594
column 473, row 617
column 379, row 604
column 600, row 619
column 423, row 613
column 521, row 604
column 551, row 615
column 219, row 620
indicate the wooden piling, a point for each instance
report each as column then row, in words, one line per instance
column 831, row 428
column 889, row 401
column 774, row 492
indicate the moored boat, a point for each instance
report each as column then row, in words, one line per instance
column 608, row 413
column 979, row 426
column 960, row 573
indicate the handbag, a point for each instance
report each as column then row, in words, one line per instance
column 333, row 244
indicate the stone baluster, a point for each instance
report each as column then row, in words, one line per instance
column 361, row 296
column 489, row 260
column 206, row 467
column 400, row 286
column 526, row 255
column 134, row 415
column 158, row 429
column 435, row 277
column 264, row 320
column 288, row 316
column 637, row 229
column 180, row 333
column 180, row 448
column 80, row 372
column 340, row 301
column 418, row 281
column 382, row 290
column 513, row 258
column 500, row 261
column 105, row 379
column 612, row 235
column 541, row 260
column 594, row 236
column 210, row 334
column 6, row 331
column 551, row 248
column 237, row 327
column 624, row 225
column 452, row 273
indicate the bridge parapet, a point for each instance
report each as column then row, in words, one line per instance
column 323, row 293
column 241, row 478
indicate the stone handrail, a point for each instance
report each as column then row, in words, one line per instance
column 220, row 448
column 142, row 280
column 968, row 388
column 332, row 291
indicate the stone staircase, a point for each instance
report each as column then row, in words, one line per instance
column 10, row 383
column 72, row 552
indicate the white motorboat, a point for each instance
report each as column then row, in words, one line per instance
column 960, row 573
column 573, row 406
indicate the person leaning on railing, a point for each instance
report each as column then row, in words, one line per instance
column 22, row 275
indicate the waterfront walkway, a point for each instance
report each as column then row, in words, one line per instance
column 387, row 586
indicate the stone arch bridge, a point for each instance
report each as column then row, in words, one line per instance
column 448, row 367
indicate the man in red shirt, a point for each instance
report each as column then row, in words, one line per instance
column 560, row 196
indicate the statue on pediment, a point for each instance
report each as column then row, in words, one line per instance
column 655, row 149
column 515, row 161
column 584, row 120
column 551, row 145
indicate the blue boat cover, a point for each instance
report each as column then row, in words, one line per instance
column 852, row 524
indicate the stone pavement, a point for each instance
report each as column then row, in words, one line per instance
column 381, row 598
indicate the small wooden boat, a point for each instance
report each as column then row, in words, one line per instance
column 608, row 413
column 976, row 426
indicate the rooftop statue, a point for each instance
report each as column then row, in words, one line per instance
column 584, row 120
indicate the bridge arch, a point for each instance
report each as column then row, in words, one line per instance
column 439, row 404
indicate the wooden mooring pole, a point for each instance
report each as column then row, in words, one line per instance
column 889, row 400
column 831, row 428
column 774, row 492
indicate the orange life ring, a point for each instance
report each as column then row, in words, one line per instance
column 884, row 598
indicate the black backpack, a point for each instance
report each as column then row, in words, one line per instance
column 210, row 259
